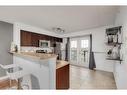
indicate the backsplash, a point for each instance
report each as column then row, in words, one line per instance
column 33, row 49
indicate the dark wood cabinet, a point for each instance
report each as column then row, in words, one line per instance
column 26, row 38
column 35, row 39
column 32, row 39
column 42, row 37
column 60, row 40
column 62, row 77
column 52, row 41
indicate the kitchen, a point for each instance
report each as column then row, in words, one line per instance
column 66, row 47
column 37, row 47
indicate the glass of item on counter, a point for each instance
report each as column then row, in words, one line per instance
column 14, row 47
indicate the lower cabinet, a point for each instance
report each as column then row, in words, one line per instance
column 62, row 77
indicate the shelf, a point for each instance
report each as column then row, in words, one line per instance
column 115, row 59
column 113, row 30
column 116, row 31
column 113, row 43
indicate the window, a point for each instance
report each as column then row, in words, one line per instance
column 84, row 43
column 73, row 44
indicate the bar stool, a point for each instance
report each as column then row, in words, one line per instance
column 14, row 72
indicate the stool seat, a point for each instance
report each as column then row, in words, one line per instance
column 16, row 74
column 8, row 66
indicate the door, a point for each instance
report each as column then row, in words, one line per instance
column 73, row 51
column 83, row 56
column 79, row 51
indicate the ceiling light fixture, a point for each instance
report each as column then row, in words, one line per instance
column 58, row 30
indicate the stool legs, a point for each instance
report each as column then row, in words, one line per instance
column 19, row 84
column 10, row 84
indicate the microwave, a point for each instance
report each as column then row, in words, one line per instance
column 44, row 44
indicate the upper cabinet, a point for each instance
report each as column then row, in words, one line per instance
column 35, row 39
column 26, row 38
column 32, row 39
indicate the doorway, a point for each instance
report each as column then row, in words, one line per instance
column 79, row 51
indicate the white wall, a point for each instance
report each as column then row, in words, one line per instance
column 120, row 70
column 21, row 26
column 99, row 46
column 98, row 42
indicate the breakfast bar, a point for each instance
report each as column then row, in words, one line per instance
column 41, row 69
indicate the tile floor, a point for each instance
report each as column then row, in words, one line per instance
column 83, row 78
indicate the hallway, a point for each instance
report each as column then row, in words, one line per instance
column 82, row 78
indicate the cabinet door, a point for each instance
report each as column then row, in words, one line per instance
column 62, row 77
column 35, row 39
column 25, row 38
column 42, row 37
column 48, row 38
column 52, row 41
column 60, row 40
column 57, row 39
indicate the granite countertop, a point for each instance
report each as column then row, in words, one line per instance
column 61, row 63
column 40, row 56
column 33, row 55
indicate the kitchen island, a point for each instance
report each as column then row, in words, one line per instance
column 43, row 71
column 40, row 69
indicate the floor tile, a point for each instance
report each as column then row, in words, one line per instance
column 83, row 78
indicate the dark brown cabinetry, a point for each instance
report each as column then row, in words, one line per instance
column 62, row 77
column 35, row 39
column 32, row 39
column 26, row 38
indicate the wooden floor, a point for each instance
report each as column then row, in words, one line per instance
column 83, row 78
column 5, row 84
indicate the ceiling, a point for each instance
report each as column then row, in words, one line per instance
column 70, row 18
